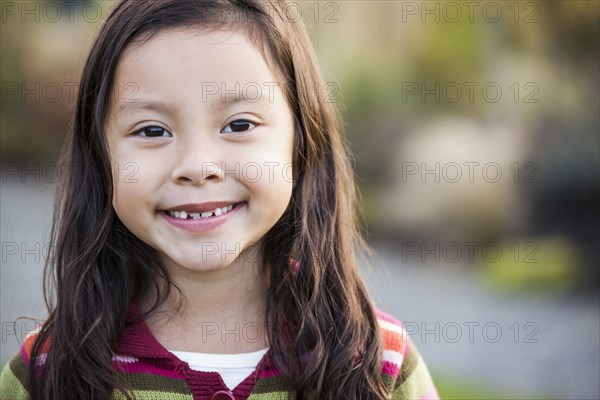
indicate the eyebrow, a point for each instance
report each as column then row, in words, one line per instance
column 231, row 98
column 146, row 105
column 163, row 108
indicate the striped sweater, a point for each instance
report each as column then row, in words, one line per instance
column 155, row 373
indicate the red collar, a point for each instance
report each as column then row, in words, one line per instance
column 138, row 341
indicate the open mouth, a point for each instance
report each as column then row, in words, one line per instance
column 202, row 215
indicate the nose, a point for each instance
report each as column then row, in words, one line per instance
column 197, row 165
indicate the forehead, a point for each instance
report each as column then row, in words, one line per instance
column 191, row 58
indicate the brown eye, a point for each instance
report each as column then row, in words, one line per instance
column 240, row 125
column 151, row 131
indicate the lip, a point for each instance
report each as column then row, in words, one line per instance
column 201, row 207
column 202, row 224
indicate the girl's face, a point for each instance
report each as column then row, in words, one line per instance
column 197, row 118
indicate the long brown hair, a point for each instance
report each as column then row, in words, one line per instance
column 99, row 266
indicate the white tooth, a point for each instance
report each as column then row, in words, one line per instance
column 206, row 214
column 195, row 215
column 176, row 214
column 183, row 215
column 217, row 212
column 229, row 207
column 224, row 210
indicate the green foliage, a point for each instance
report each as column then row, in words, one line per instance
column 451, row 388
column 545, row 265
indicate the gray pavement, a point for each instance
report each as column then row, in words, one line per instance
column 467, row 330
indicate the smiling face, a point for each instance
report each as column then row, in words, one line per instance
column 198, row 117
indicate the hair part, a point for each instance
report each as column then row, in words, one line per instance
column 323, row 329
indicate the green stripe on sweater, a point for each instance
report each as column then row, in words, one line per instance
column 19, row 369
column 416, row 385
column 147, row 381
column 389, row 382
column 410, row 362
column 152, row 395
column 269, row 395
column 272, row 384
column 10, row 386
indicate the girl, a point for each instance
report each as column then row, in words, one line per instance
column 205, row 241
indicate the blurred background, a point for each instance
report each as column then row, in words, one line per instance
column 475, row 133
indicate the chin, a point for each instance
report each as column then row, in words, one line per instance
column 209, row 264
column 209, row 257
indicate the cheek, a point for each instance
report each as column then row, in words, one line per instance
column 273, row 191
column 131, row 193
column 115, row 161
column 122, row 202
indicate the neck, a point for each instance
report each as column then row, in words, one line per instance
column 223, row 311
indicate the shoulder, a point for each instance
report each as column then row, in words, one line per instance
column 403, row 367
column 14, row 379
column 395, row 342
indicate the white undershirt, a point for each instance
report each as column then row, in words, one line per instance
column 233, row 368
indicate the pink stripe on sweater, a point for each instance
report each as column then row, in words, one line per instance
column 386, row 317
column 390, row 368
column 268, row 373
column 24, row 355
column 407, row 346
